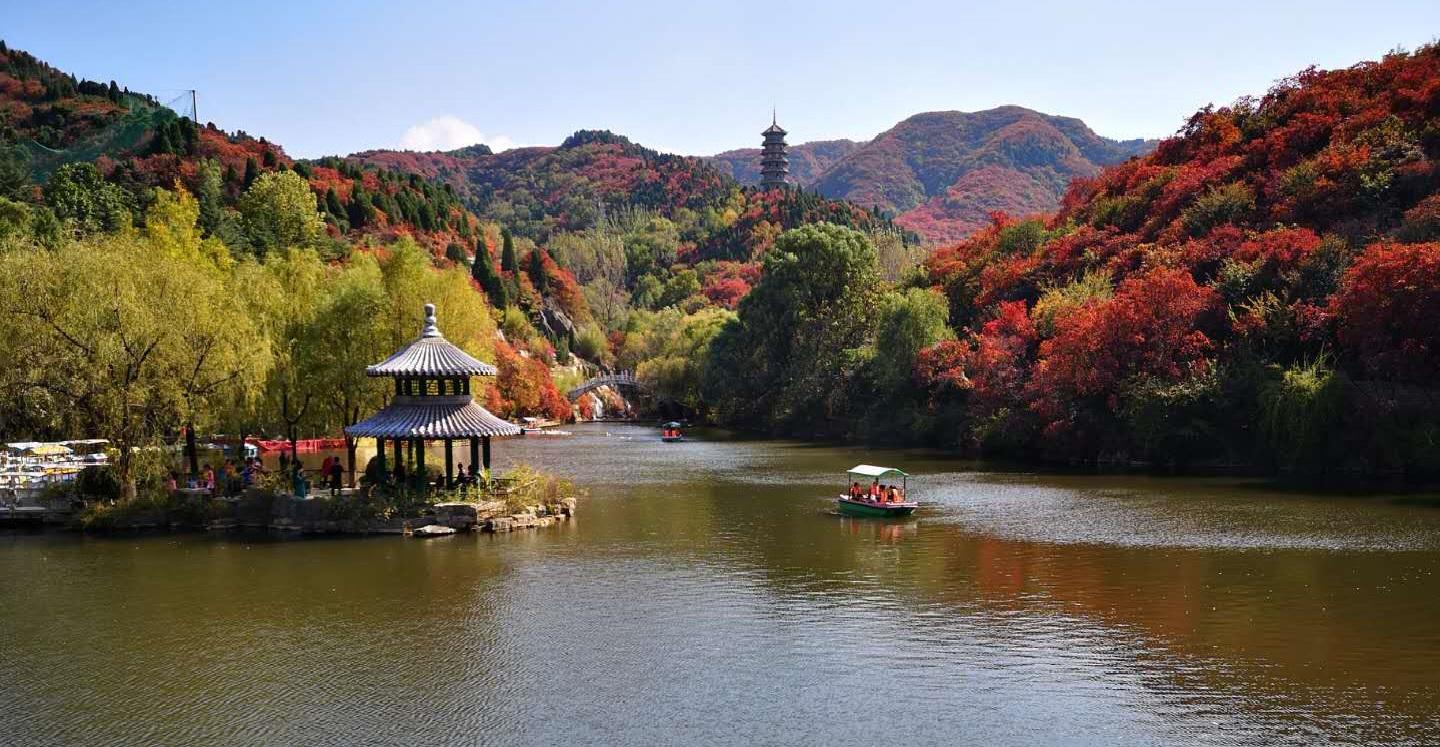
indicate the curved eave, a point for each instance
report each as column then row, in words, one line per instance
column 440, row 420
column 431, row 356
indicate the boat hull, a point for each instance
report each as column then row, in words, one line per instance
column 672, row 439
column 878, row 510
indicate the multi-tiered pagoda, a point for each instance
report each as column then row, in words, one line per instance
column 432, row 402
column 774, row 164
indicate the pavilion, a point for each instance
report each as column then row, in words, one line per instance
column 432, row 402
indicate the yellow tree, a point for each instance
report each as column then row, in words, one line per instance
column 119, row 337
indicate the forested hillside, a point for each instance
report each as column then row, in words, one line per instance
column 942, row 173
column 807, row 161
column 1263, row 289
column 258, row 287
column 540, row 192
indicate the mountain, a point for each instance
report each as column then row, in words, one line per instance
column 49, row 118
column 944, row 173
column 596, row 175
column 807, row 161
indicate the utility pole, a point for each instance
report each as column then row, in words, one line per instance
column 194, row 108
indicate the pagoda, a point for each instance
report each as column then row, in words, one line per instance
column 432, row 402
column 774, row 164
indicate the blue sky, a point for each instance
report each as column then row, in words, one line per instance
column 689, row 77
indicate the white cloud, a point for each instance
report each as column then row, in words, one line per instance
column 448, row 133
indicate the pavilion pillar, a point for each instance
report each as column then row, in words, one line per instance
column 422, row 478
column 474, row 455
column 485, row 442
column 380, row 455
column 399, row 462
column 449, row 463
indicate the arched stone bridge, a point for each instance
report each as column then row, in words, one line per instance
column 618, row 380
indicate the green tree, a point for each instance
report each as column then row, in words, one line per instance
column 15, row 221
column 679, row 353
column 536, row 270
column 84, row 200
column 483, row 271
column 782, row 363
column 14, row 174
column 508, row 261
column 278, row 211
column 651, row 247
column 883, row 401
column 210, row 190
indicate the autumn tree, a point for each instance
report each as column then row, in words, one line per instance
column 279, row 212
column 1388, row 309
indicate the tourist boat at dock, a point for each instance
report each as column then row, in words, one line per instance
column 28, row 468
column 866, row 474
column 670, row 433
column 433, row 530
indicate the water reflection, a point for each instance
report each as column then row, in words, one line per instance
column 708, row 594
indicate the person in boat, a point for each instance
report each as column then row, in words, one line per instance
column 207, row 478
column 874, row 494
column 855, row 490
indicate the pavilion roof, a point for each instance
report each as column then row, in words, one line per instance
column 434, row 417
column 430, row 354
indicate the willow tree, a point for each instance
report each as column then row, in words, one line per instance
column 120, row 337
column 341, row 341
column 282, row 293
column 230, row 355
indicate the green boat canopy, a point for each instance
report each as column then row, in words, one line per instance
column 870, row 470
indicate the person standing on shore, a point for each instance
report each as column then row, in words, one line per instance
column 337, row 473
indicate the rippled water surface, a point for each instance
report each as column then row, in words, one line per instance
column 707, row 595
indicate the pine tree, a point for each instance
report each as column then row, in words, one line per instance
column 252, row 170
column 360, row 209
column 333, row 206
column 483, row 270
column 537, row 269
column 508, row 261
column 210, row 192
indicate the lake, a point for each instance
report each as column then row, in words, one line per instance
column 707, row 594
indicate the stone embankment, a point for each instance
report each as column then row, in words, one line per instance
column 296, row 516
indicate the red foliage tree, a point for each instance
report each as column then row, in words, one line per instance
column 1388, row 309
column 1149, row 328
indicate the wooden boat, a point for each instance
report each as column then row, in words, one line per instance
column 670, row 433
column 864, row 474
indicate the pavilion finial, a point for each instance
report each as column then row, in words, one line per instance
column 430, row 329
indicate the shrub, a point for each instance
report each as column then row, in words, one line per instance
column 1227, row 203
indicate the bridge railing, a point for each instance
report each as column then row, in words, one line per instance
column 617, row 379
